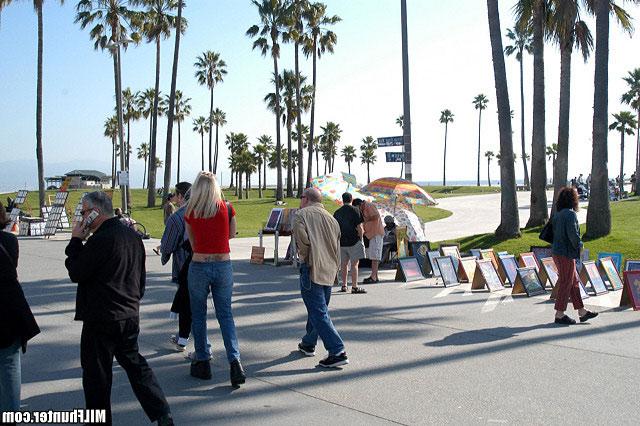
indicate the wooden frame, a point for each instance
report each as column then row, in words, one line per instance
column 528, row 282
column 486, row 276
column 609, row 270
column 528, row 259
column 631, row 290
column 541, row 252
column 447, row 271
column 453, row 251
column 490, row 254
column 590, row 274
column 509, row 266
column 466, row 269
column 616, row 258
column 549, row 271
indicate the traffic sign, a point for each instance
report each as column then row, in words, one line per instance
column 395, row 157
column 390, row 141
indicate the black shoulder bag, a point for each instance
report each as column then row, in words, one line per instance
column 547, row 232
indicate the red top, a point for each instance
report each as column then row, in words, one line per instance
column 211, row 235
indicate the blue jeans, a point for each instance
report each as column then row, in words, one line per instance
column 316, row 298
column 10, row 377
column 217, row 277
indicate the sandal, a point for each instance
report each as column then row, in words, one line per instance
column 156, row 251
column 358, row 290
column 369, row 281
column 343, row 289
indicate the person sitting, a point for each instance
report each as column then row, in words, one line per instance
column 389, row 241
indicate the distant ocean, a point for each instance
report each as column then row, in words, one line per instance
column 463, row 182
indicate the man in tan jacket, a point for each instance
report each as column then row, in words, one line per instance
column 317, row 236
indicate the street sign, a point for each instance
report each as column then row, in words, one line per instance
column 390, row 141
column 395, row 157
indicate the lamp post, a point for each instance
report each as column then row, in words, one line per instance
column 406, row 122
column 114, row 47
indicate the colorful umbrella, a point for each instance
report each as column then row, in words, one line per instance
column 404, row 216
column 333, row 186
column 395, row 189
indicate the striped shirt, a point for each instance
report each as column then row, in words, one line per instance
column 171, row 242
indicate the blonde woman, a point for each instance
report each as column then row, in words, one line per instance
column 210, row 223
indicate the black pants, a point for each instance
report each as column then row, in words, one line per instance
column 100, row 342
column 184, row 324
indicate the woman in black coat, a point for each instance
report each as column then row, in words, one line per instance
column 18, row 323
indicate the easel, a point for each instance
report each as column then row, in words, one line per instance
column 55, row 214
column 282, row 228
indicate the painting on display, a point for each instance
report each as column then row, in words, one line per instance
column 433, row 266
column 632, row 265
column 631, row 290
column 274, row 220
column 419, row 250
column 609, row 270
column 615, row 257
column 549, row 271
column 408, row 270
column 529, row 260
column 591, row 274
column 466, row 269
column 528, row 281
column 510, row 267
column 447, row 271
column 486, row 276
column 452, row 251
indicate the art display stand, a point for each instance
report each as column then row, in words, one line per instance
column 528, row 282
column 280, row 224
column 55, row 214
column 631, row 290
column 486, row 277
column 408, row 270
column 590, row 275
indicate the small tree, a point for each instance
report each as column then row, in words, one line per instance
column 489, row 155
column 368, row 153
column 446, row 117
column 349, row 154
column 625, row 123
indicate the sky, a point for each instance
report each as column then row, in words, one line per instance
column 359, row 87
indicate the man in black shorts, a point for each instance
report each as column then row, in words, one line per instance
column 351, row 245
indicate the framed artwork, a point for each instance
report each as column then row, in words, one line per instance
column 468, row 265
column 475, row 253
column 419, row 250
column 401, row 241
column 615, row 257
column 609, row 270
column 549, row 271
column 583, row 256
column 274, row 219
column 510, row 267
column 431, row 257
column 591, row 274
column 541, row 252
column 452, row 251
column 631, row 290
column 528, row 260
column 528, row 281
column 486, row 276
column 632, row 265
column 489, row 254
column 409, row 269
column 447, row 271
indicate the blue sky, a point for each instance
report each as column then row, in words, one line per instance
column 359, row 87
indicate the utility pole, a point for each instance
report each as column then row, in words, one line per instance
column 406, row 123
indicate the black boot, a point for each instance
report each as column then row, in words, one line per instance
column 165, row 420
column 237, row 373
column 201, row 369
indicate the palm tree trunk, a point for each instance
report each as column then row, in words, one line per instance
column 233, row 176
column 289, row 161
column 259, row 180
column 311, row 124
column 538, row 213
column 295, row 185
column 368, row 175
column 300, row 185
column 172, row 102
column 444, row 163
column 522, row 139
column 144, row 176
column 349, row 166
column 118, row 74
column 479, row 134
column 239, row 186
column 598, row 211
column 488, row 171
column 278, row 142
column 178, row 177
column 215, row 153
column 127, row 154
column 622, row 161
column 210, row 165
column 39, row 153
column 637, row 190
column 151, row 190
column 264, row 172
column 509, row 221
column 113, row 162
column 317, row 164
column 202, row 150
column 561, row 162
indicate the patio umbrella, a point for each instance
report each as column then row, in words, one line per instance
column 395, row 189
column 404, row 216
column 333, row 186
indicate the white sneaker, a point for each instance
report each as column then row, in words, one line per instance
column 179, row 342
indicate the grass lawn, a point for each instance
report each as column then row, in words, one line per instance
column 251, row 213
column 624, row 237
column 456, row 191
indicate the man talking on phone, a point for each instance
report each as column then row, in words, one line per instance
column 110, row 271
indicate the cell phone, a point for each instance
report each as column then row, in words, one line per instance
column 89, row 219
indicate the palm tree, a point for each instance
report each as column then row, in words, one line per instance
column 521, row 39
column 625, row 123
column 267, row 144
column 261, row 151
column 131, row 112
column 158, row 23
column 319, row 39
column 219, row 119
column 331, row 133
column 210, row 70
column 368, row 153
column 145, row 101
column 489, row 155
column 598, row 210
column 181, row 23
column 244, row 164
column 143, row 154
column 480, row 103
column 121, row 22
column 400, row 122
column 568, row 31
column 632, row 98
column 201, row 126
column 158, row 163
column 182, row 109
column 509, row 220
column 295, row 33
column 236, row 143
column 349, row 154
column 446, row 117
column 533, row 14
column 552, row 154
column 111, row 132
column 273, row 18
